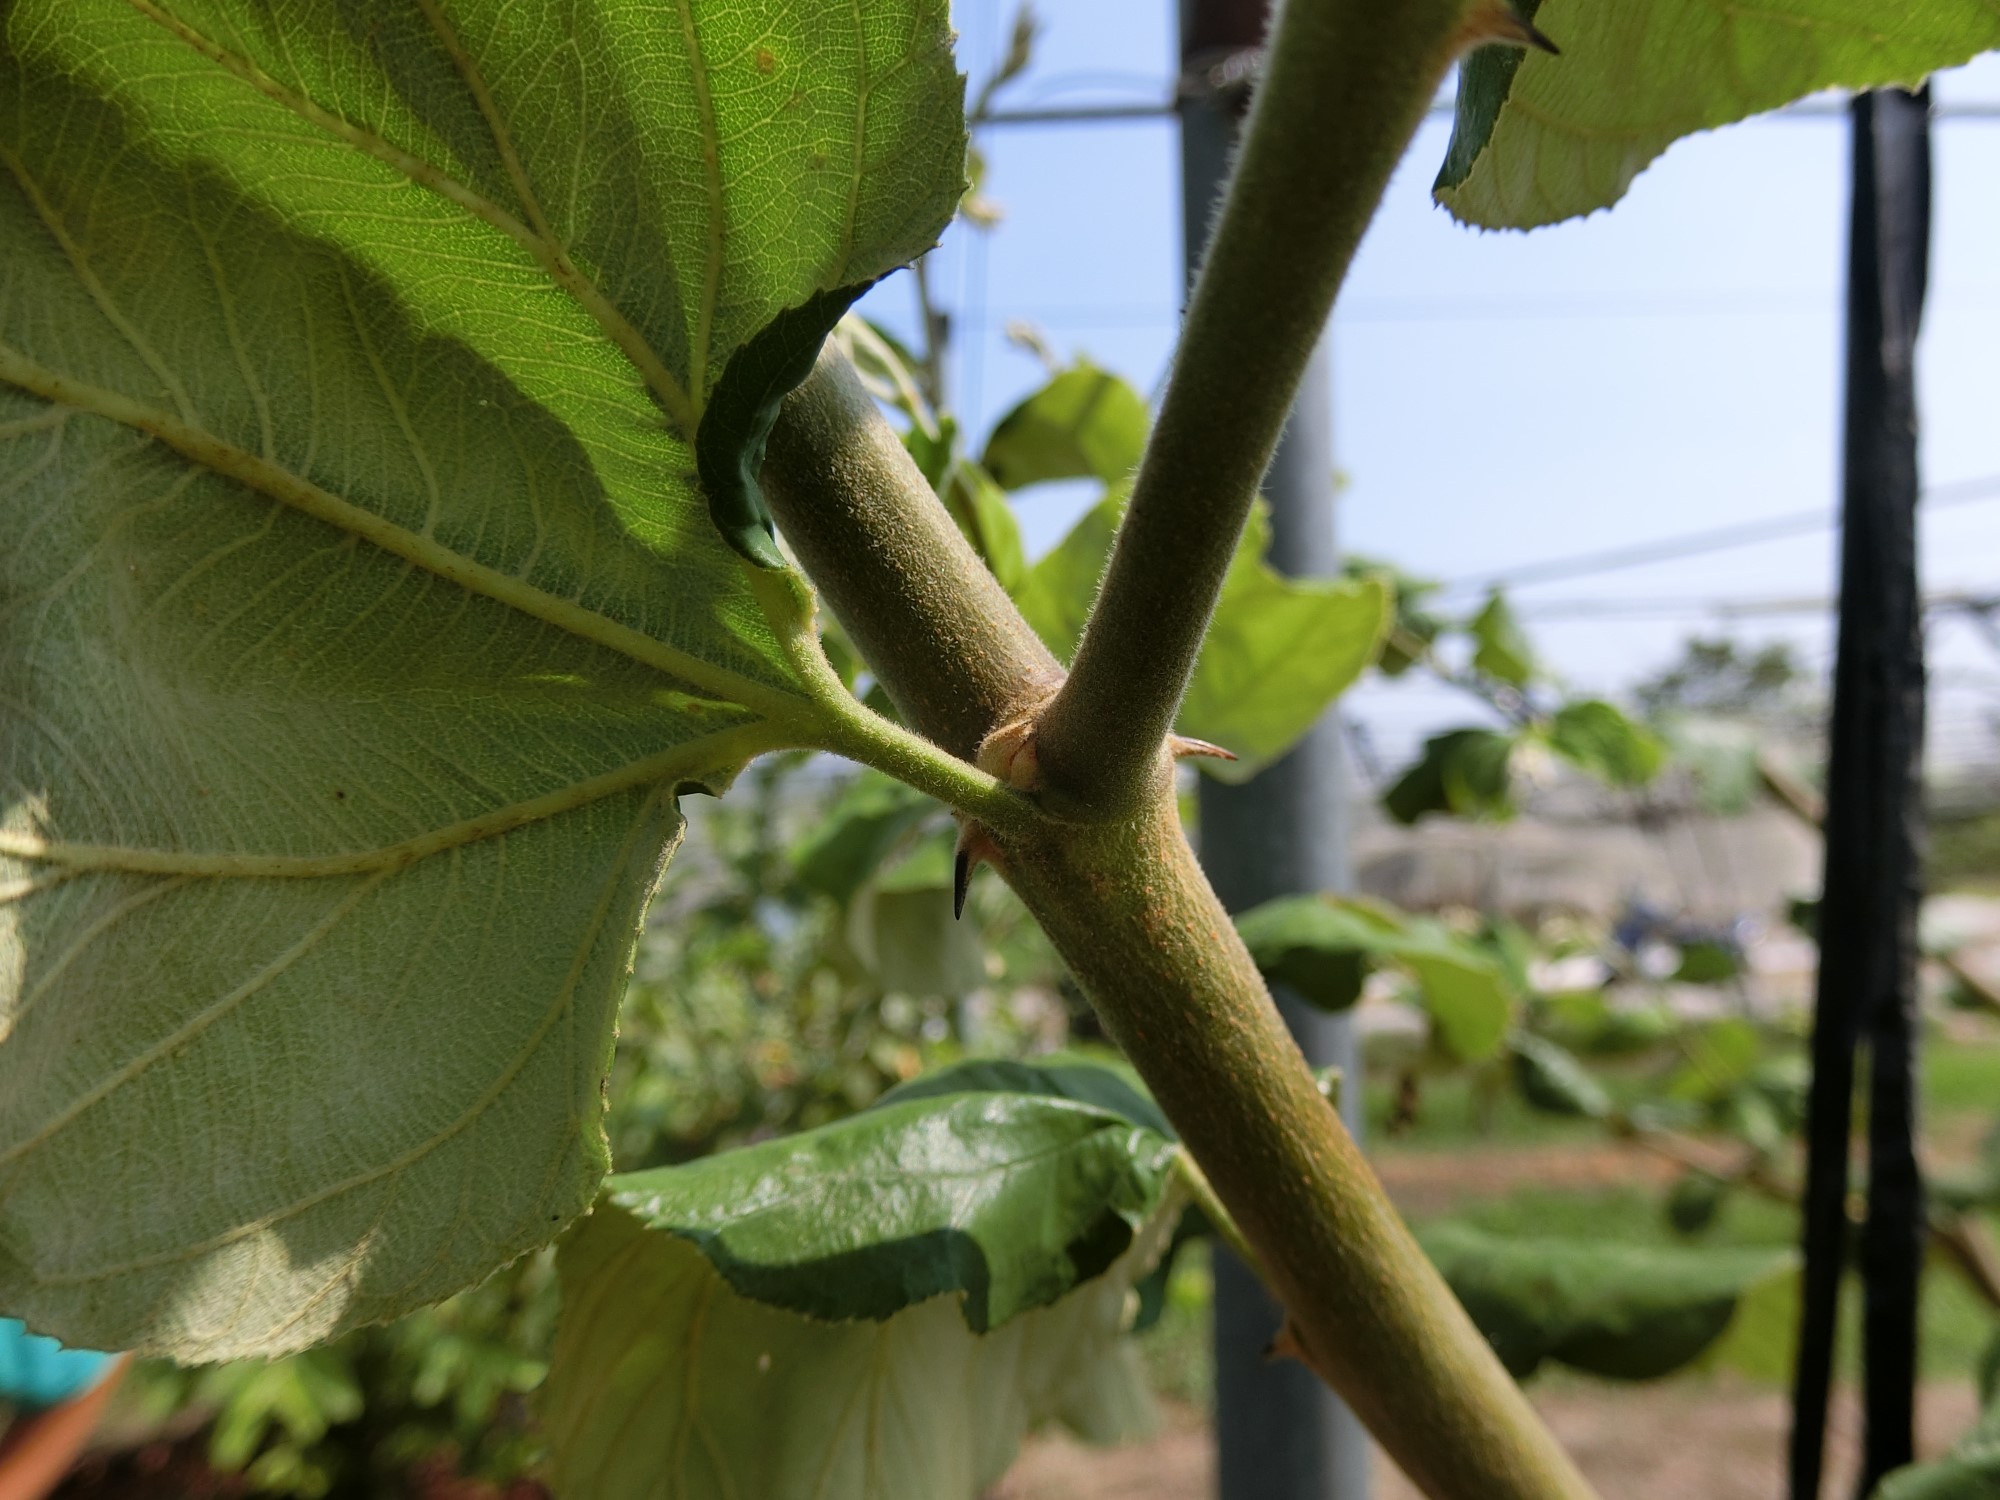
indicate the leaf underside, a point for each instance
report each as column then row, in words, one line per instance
column 361, row 615
column 666, row 1384
column 1541, row 138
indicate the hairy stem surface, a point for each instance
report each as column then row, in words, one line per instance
column 1130, row 912
column 1346, row 83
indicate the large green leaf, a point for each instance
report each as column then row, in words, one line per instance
column 1004, row 1201
column 1540, row 138
column 362, row 613
column 666, row 1384
column 1278, row 650
column 1626, row 1311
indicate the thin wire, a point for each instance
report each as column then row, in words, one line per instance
column 1162, row 110
column 1694, row 544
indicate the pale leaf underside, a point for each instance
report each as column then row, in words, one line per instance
column 665, row 1383
column 360, row 616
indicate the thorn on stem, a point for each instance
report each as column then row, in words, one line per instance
column 975, row 848
column 1285, row 1345
column 1499, row 23
column 1182, row 747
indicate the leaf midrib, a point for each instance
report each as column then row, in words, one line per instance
column 276, row 482
column 683, row 405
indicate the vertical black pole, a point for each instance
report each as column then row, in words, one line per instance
column 1868, row 908
column 1280, row 1434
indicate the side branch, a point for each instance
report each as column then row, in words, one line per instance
column 947, row 643
column 1128, row 909
column 1347, row 82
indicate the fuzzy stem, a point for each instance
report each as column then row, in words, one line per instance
column 934, row 624
column 1129, row 910
column 1131, row 914
column 1346, row 83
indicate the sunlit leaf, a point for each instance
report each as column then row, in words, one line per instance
column 1002, row 1200
column 1540, row 138
column 1086, row 423
column 363, row 612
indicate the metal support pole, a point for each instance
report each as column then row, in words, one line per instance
column 1874, row 820
column 1280, row 1434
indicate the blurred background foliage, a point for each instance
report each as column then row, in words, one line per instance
column 801, row 960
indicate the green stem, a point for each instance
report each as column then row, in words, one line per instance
column 1202, row 1191
column 862, row 735
column 1345, row 85
column 934, row 624
column 1127, row 907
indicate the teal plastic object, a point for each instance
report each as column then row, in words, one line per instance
column 37, row 1371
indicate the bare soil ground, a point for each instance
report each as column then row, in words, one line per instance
column 1713, row 1440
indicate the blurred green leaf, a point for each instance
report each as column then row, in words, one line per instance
column 1541, row 138
column 1086, row 423
column 1707, row 962
column 1278, row 650
column 1501, row 648
column 1004, row 1201
column 1971, row 1470
column 1694, row 1200
column 1323, row 946
column 1057, row 594
column 1598, row 738
column 1468, row 1001
column 666, row 1381
column 912, row 943
column 1719, row 1056
column 1317, row 947
column 873, row 816
column 1552, row 1080
column 1412, row 626
column 1623, row 1311
column 1465, row 773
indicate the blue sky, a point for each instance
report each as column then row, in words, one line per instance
column 1503, row 399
